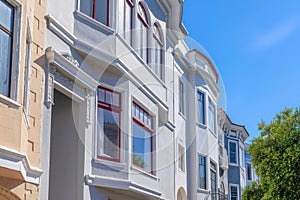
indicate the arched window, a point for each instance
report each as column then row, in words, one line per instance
column 158, row 50
column 128, row 13
column 143, row 24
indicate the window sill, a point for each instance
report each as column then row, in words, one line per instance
column 145, row 173
column 233, row 164
column 9, row 102
column 200, row 125
column 199, row 190
column 94, row 22
column 182, row 115
column 112, row 164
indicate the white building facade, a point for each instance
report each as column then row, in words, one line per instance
column 130, row 110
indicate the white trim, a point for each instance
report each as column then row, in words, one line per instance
column 121, row 184
column 99, row 24
column 14, row 160
column 238, row 190
column 9, row 102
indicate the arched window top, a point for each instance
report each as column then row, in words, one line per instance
column 143, row 14
column 157, row 32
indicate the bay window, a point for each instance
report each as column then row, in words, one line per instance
column 142, row 136
column 97, row 9
column 109, row 109
column 6, row 44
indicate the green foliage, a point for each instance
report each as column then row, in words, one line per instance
column 253, row 192
column 276, row 156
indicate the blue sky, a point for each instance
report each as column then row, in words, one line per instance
column 256, row 47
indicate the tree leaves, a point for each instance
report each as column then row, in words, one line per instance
column 276, row 156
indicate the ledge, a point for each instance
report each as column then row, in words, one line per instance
column 115, row 165
column 12, row 159
column 145, row 173
column 101, row 181
column 9, row 102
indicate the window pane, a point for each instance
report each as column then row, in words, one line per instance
column 116, row 99
column 108, row 125
column 232, row 149
column 102, row 11
column 202, row 172
column 6, row 15
column 86, row 6
column 128, row 13
column 101, row 94
column 5, row 62
column 141, row 147
column 108, row 97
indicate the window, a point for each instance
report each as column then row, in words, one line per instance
column 201, row 107
column 213, row 180
column 142, row 134
column 109, row 124
column 232, row 152
column 242, row 157
column 158, row 50
column 181, row 158
column 202, row 172
column 249, row 172
column 6, row 45
column 128, row 13
column 233, row 192
column 97, row 9
column 181, row 97
column 233, row 134
column 211, row 116
column 142, row 42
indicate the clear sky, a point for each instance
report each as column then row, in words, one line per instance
column 256, row 47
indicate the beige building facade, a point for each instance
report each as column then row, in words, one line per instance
column 22, row 43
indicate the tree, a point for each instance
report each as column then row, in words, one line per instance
column 276, row 156
column 253, row 191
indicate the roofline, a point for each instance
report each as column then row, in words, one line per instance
column 209, row 62
column 242, row 126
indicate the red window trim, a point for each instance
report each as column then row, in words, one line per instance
column 107, row 11
column 148, row 129
column 130, row 2
column 112, row 108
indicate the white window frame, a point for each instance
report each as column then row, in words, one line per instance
column 204, row 106
column 236, row 153
column 12, row 99
column 210, row 101
column 206, row 167
column 181, row 96
column 238, row 190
